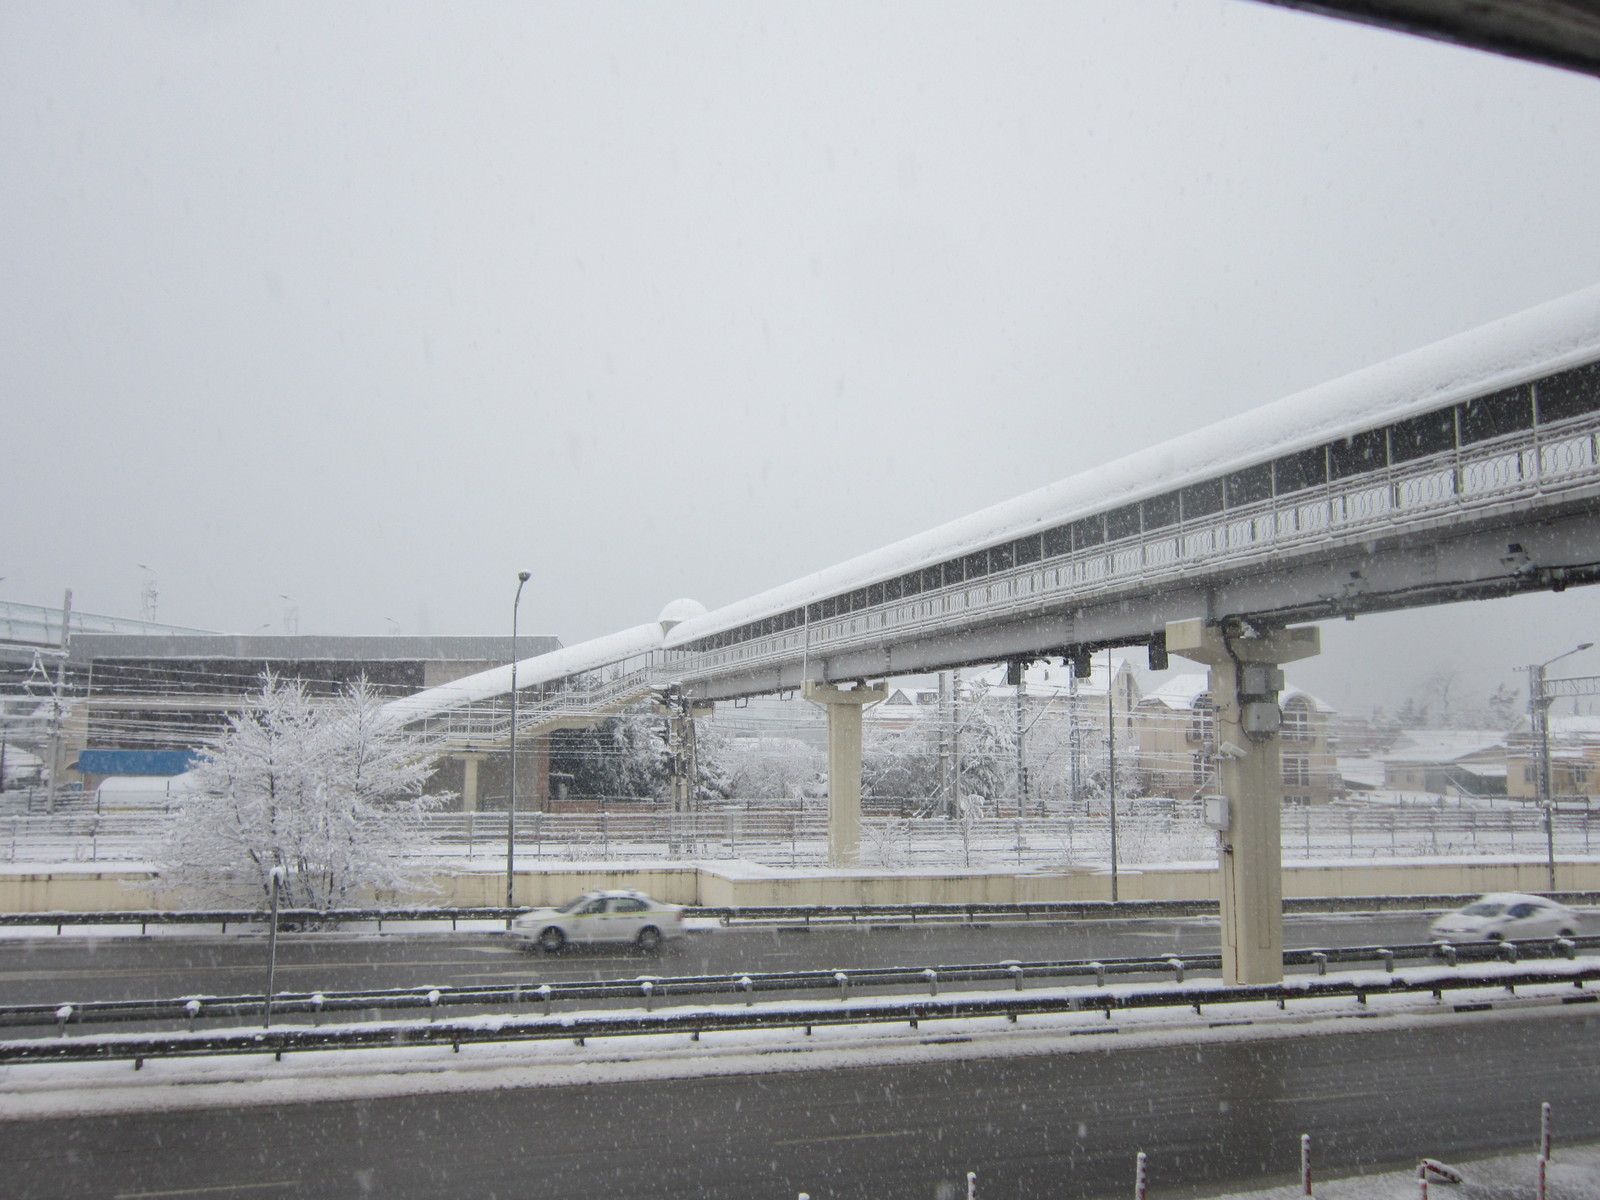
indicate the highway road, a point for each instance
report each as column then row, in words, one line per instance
column 1062, row 1126
column 55, row 970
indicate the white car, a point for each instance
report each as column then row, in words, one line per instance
column 1506, row 917
column 615, row 916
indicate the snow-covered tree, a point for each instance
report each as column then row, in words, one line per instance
column 773, row 768
column 623, row 755
column 323, row 789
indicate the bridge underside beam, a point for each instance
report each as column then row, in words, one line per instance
column 1441, row 564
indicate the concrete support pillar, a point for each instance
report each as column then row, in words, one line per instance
column 844, row 763
column 469, row 782
column 1244, row 686
column 541, row 772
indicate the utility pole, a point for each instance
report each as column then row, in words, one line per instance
column 1111, row 762
column 1016, row 673
column 1074, row 739
column 945, row 789
column 1539, row 701
column 955, row 740
column 57, row 710
column 511, row 788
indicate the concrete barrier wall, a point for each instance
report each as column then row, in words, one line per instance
column 76, row 891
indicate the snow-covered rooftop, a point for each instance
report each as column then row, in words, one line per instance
column 1443, row 745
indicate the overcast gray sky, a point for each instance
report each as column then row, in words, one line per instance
column 372, row 305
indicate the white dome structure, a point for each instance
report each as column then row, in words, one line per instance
column 679, row 611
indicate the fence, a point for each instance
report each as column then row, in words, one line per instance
column 649, row 989
column 580, row 1026
column 1148, row 832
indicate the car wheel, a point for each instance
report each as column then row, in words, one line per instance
column 1496, row 936
column 650, row 939
column 1567, row 931
column 551, row 940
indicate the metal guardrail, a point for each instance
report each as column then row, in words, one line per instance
column 803, row 914
column 651, row 988
column 580, row 1026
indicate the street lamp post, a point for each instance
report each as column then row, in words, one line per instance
column 1539, row 720
column 511, row 800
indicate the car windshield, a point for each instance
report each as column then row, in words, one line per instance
column 572, row 906
column 1483, row 910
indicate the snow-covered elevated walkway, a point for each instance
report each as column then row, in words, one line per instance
column 572, row 687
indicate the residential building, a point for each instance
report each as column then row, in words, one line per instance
column 1175, row 726
column 1574, row 759
column 1447, row 762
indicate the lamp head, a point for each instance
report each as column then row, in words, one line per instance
column 523, row 576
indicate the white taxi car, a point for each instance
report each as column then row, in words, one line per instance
column 612, row 916
column 1506, row 917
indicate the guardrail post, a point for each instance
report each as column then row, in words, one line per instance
column 648, row 990
column 544, row 994
column 1388, row 960
column 1177, row 968
column 1448, row 953
column 193, row 1009
column 932, row 977
column 1544, row 1131
column 1321, row 960
column 433, row 1002
column 272, row 950
column 747, row 986
column 63, row 1015
column 1099, row 969
column 1016, row 974
column 317, row 1001
column 1305, row 1164
column 1141, row 1176
column 843, row 981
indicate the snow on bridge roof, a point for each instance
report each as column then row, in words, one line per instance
column 544, row 668
column 1514, row 349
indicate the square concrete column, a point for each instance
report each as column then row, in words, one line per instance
column 844, row 763
column 1250, row 771
column 469, row 782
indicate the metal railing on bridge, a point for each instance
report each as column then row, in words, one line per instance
column 1541, row 462
column 484, row 725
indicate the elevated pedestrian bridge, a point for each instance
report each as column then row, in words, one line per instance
column 1462, row 471
column 1468, row 469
